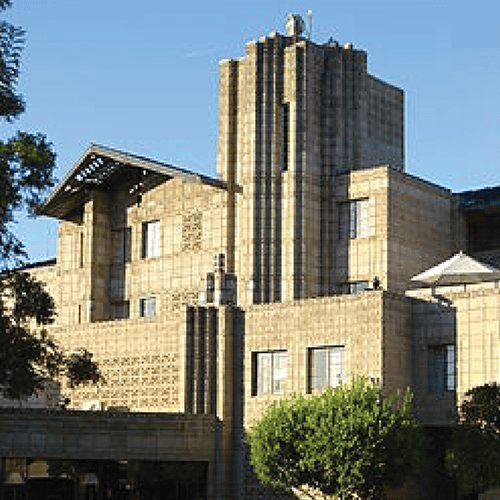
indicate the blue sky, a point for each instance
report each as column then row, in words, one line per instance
column 143, row 76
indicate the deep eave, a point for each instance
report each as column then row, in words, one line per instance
column 480, row 199
column 97, row 168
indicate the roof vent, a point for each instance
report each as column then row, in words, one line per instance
column 294, row 25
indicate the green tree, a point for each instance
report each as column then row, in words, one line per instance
column 27, row 354
column 473, row 457
column 346, row 442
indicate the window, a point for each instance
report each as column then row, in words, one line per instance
column 120, row 310
column 268, row 372
column 354, row 220
column 120, row 241
column 326, row 367
column 356, row 287
column 151, row 239
column 82, row 250
column 285, row 132
column 147, row 307
column 442, row 368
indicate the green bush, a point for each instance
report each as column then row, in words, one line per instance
column 346, row 442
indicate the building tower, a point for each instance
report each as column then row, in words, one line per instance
column 293, row 115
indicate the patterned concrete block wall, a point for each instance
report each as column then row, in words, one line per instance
column 422, row 228
column 467, row 317
column 352, row 322
column 142, row 360
column 434, row 325
column 101, row 258
column 292, row 115
column 478, row 336
column 364, row 256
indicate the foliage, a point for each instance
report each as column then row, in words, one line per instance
column 27, row 161
column 346, row 442
column 474, row 454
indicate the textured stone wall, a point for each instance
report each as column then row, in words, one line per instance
column 142, row 360
column 354, row 322
column 292, row 116
column 468, row 317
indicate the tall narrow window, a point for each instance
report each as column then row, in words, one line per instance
column 120, row 240
column 354, row 219
column 285, row 135
column 151, row 239
column 81, row 250
column 268, row 372
column 326, row 367
column 442, row 368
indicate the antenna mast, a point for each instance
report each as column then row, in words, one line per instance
column 309, row 25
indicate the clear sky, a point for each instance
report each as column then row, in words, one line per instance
column 142, row 77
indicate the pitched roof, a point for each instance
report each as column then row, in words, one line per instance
column 97, row 168
column 459, row 269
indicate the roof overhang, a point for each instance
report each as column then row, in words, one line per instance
column 480, row 200
column 98, row 167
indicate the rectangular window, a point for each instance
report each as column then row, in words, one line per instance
column 121, row 243
column 326, row 367
column 82, row 250
column 358, row 286
column 285, row 132
column 442, row 368
column 354, row 219
column 268, row 372
column 121, row 310
column 147, row 307
column 151, row 239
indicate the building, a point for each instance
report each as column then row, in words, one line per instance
column 288, row 272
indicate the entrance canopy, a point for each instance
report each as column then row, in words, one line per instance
column 458, row 270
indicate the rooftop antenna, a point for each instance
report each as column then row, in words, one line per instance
column 309, row 25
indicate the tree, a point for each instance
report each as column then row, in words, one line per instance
column 28, row 356
column 474, row 454
column 345, row 442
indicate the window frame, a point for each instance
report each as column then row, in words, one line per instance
column 329, row 349
column 151, row 250
column 276, row 386
column 354, row 219
column 145, row 306
column 441, row 368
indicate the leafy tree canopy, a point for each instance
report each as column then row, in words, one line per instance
column 27, row 354
column 346, row 442
column 474, row 455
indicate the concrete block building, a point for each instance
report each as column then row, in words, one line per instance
column 288, row 272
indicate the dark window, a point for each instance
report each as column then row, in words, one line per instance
column 121, row 242
column 442, row 368
column 285, row 139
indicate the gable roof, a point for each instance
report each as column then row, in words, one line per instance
column 98, row 167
